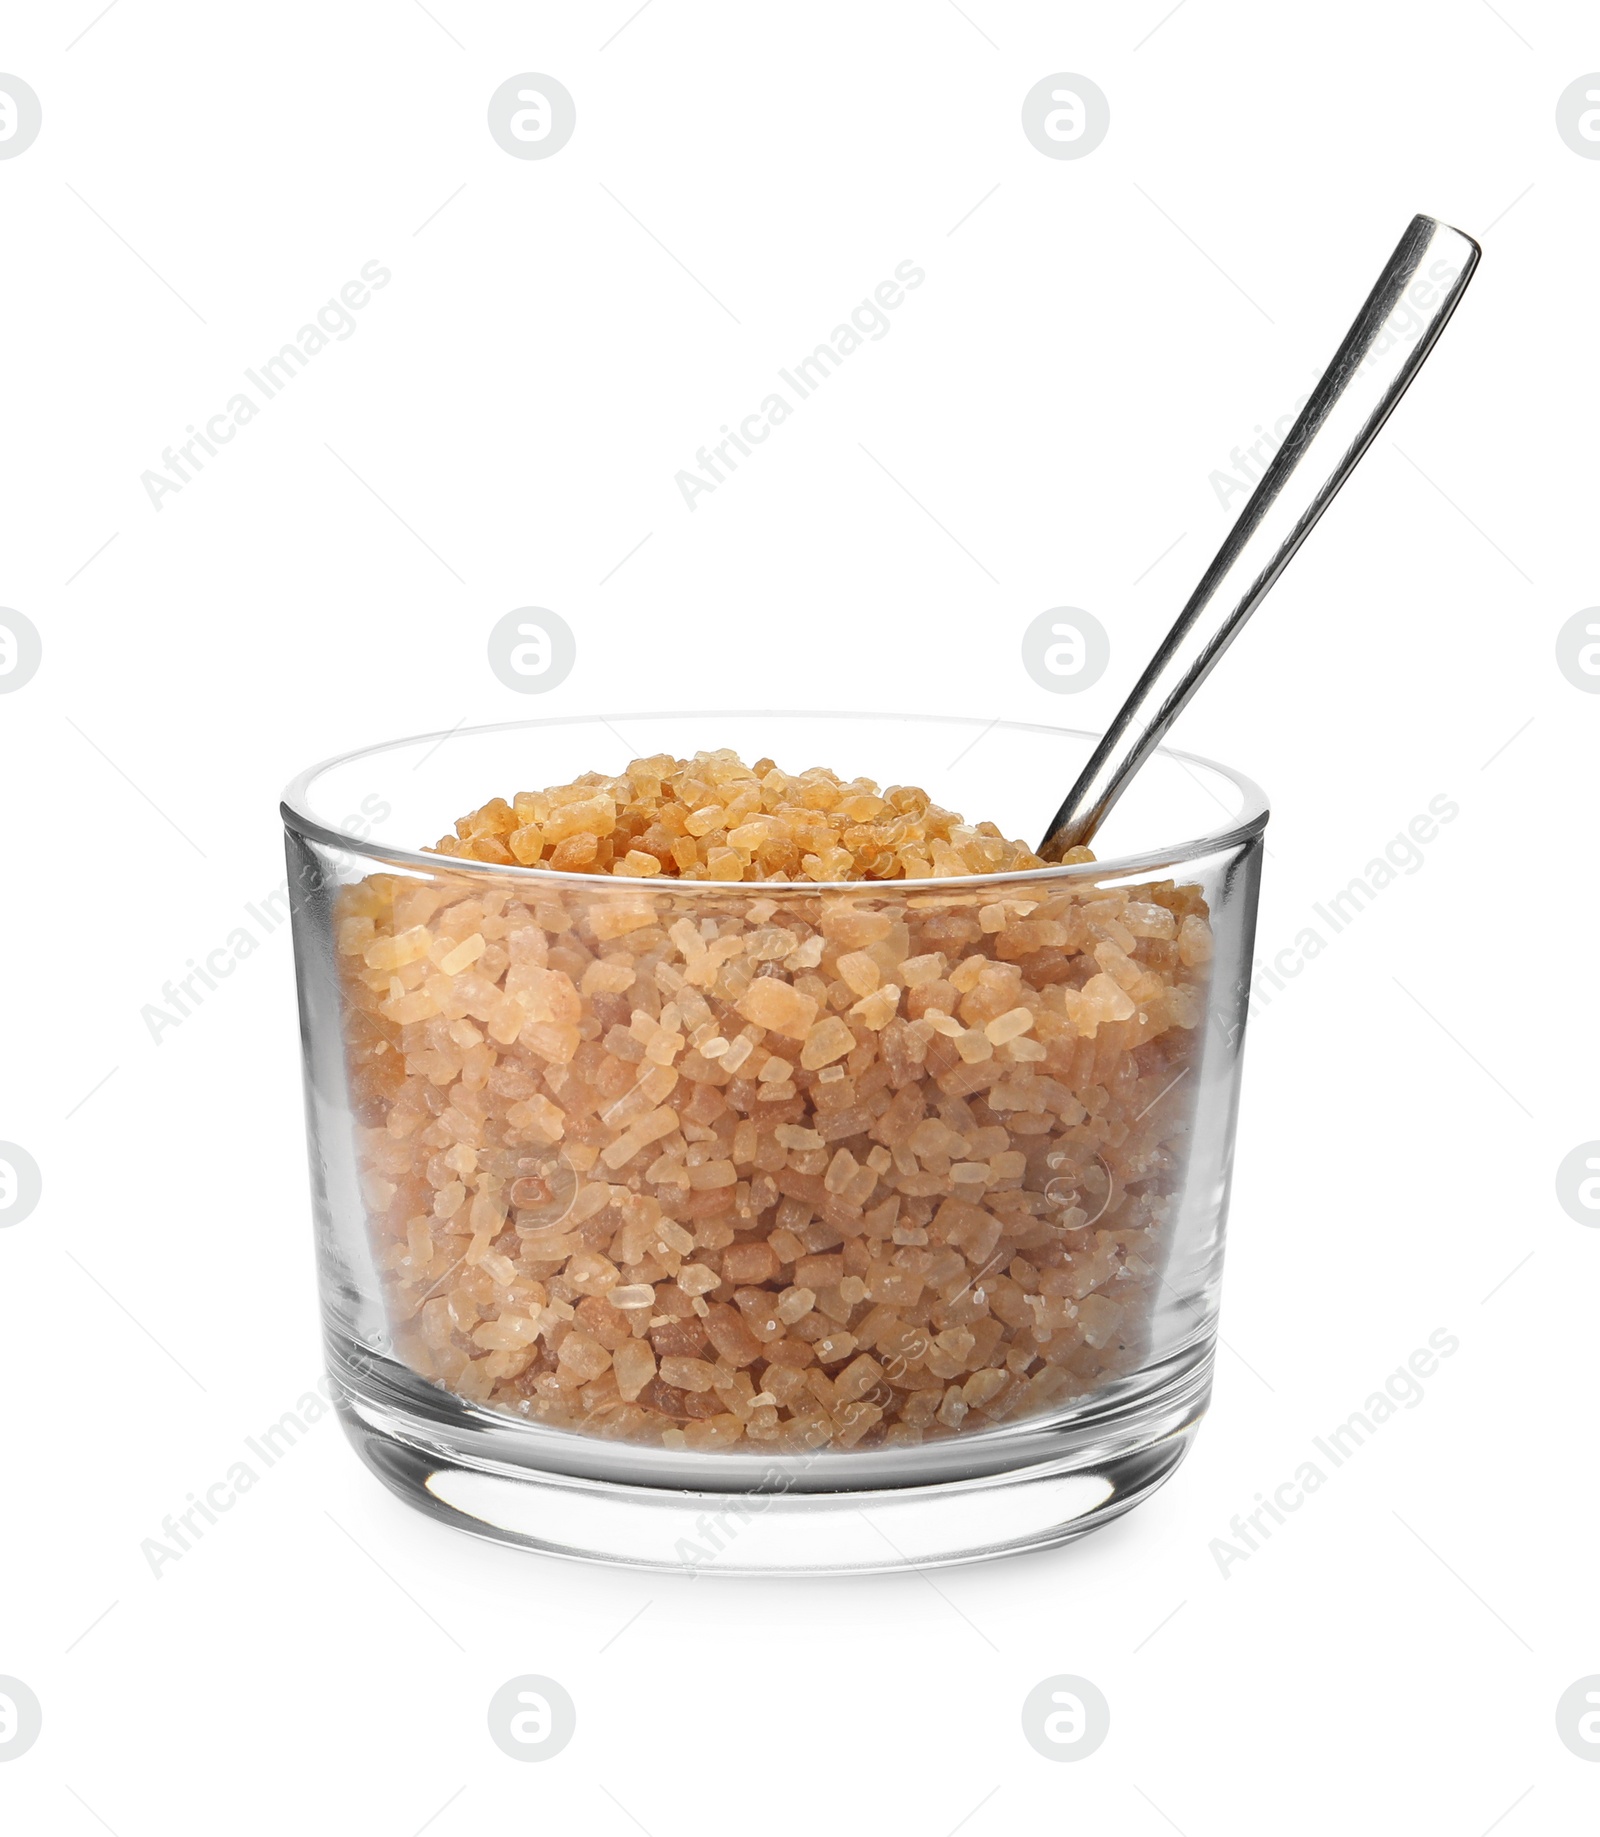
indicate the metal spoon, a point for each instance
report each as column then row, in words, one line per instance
column 1385, row 348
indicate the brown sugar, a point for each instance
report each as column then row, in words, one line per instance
column 780, row 1167
column 715, row 818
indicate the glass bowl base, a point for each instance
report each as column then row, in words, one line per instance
column 770, row 1526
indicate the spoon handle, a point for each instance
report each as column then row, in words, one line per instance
column 1385, row 348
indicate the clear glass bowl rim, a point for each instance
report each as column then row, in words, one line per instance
column 1251, row 821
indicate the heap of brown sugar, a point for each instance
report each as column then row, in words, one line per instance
column 715, row 818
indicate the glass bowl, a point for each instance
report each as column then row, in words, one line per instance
column 770, row 1226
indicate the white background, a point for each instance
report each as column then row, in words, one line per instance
column 1093, row 337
